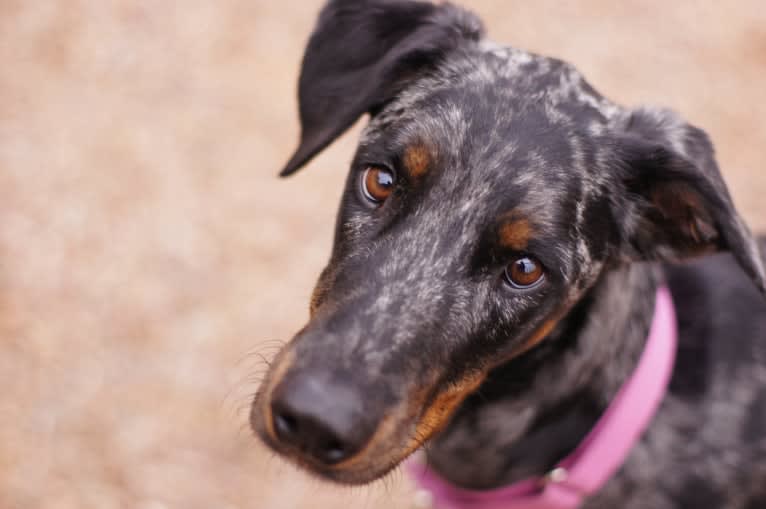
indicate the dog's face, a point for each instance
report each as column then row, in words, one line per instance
column 489, row 191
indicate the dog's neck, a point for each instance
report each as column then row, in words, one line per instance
column 535, row 410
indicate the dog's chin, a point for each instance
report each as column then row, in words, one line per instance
column 359, row 470
column 357, row 476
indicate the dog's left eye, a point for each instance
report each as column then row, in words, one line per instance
column 377, row 184
column 524, row 272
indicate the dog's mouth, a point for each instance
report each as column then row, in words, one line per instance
column 344, row 440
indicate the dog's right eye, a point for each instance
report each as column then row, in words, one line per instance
column 377, row 184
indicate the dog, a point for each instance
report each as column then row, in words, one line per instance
column 498, row 252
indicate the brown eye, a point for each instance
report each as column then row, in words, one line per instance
column 524, row 272
column 377, row 184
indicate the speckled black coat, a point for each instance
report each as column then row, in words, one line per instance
column 415, row 333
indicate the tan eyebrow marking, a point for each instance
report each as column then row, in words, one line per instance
column 515, row 231
column 417, row 160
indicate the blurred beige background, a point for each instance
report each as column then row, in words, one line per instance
column 149, row 254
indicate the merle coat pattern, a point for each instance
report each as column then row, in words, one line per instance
column 417, row 336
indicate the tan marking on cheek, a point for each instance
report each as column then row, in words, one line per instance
column 281, row 367
column 321, row 288
column 515, row 232
column 417, row 160
column 536, row 337
column 316, row 296
column 441, row 408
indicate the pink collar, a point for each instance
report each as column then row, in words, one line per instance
column 602, row 451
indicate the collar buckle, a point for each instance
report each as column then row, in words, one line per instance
column 555, row 476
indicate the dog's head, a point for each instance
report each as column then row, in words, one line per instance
column 490, row 190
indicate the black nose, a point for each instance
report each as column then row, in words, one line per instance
column 320, row 416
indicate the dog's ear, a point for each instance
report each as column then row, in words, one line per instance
column 676, row 204
column 361, row 53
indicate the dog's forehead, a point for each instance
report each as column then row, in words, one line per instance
column 490, row 82
column 496, row 109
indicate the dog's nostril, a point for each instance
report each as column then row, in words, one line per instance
column 333, row 451
column 285, row 425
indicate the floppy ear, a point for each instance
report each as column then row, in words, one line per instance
column 676, row 204
column 359, row 56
